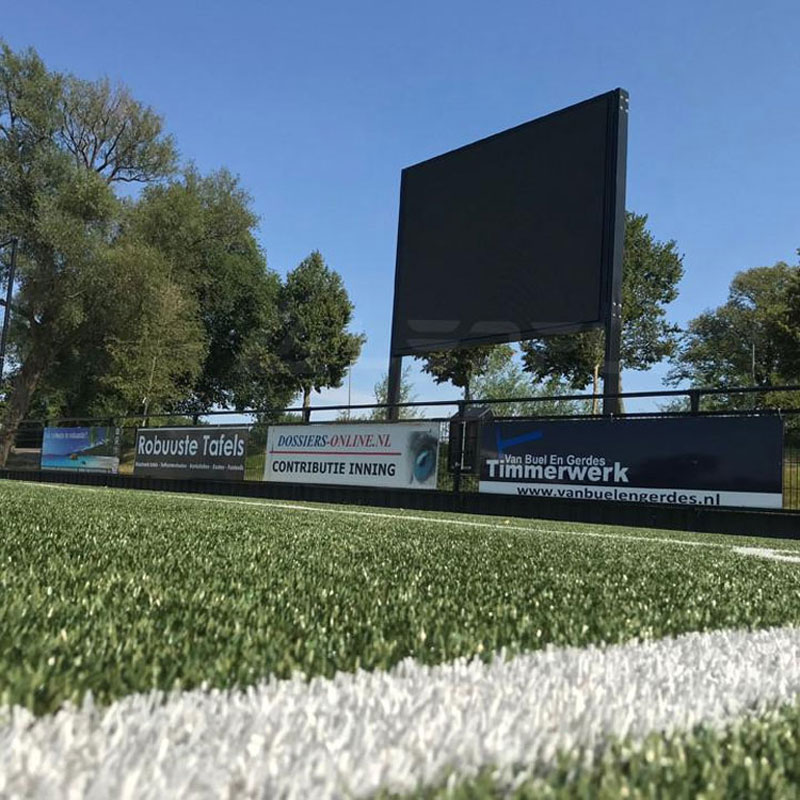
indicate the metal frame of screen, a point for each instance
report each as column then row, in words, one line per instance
column 613, row 236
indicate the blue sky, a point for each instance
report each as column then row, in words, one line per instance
column 318, row 106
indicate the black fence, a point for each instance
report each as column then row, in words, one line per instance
column 783, row 401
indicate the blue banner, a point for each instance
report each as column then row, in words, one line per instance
column 81, row 449
column 711, row 461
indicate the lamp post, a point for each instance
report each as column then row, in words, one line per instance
column 9, row 292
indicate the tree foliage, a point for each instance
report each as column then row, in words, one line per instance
column 650, row 275
column 462, row 365
column 407, row 395
column 203, row 225
column 57, row 197
column 315, row 346
column 141, row 348
column 504, row 378
column 791, row 330
column 155, row 351
column 157, row 300
column 113, row 135
column 753, row 339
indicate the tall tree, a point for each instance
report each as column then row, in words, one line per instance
column 751, row 340
column 144, row 345
column 206, row 305
column 461, row 365
column 110, row 133
column 204, row 226
column 650, row 275
column 64, row 144
column 315, row 345
column 155, row 348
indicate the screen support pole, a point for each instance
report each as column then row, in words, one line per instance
column 393, row 387
column 611, row 370
column 614, row 251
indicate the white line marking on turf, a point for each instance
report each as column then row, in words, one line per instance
column 769, row 553
column 744, row 551
column 357, row 733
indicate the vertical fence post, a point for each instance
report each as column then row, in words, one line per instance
column 460, row 454
column 694, row 401
column 41, row 444
column 307, row 414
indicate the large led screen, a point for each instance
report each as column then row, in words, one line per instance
column 508, row 238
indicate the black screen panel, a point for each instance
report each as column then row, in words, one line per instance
column 503, row 239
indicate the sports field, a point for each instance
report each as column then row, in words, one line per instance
column 161, row 645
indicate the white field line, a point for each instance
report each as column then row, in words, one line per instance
column 506, row 526
column 398, row 730
column 793, row 557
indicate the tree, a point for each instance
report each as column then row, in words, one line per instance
column 461, row 365
column 407, row 395
column 315, row 346
column 64, row 144
column 501, row 377
column 650, row 274
column 751, row 340
column 113, row 135
column 204, row 227
column 143, row 349
column 505, row 378
column 156, row 350
column 207, row 281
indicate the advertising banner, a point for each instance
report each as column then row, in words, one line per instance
column 711, row 461
column 401, row 455
column 81, row 449
column 206, row 452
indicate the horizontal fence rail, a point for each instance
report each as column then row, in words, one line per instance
column 692, row 397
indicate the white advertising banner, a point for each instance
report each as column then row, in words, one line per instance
column 400, row 455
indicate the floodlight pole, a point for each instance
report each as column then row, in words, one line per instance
column 614, row 246
column 9, row 292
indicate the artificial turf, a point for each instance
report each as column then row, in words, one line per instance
column 757, row 756
column 115, row 592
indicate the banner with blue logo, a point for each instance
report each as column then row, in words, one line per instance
column 403, row 454
column 711, row 461
column 93, row 449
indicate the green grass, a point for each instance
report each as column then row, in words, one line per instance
column 116, row 591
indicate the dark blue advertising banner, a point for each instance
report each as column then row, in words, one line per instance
column 209, row 452
column 711, row 461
